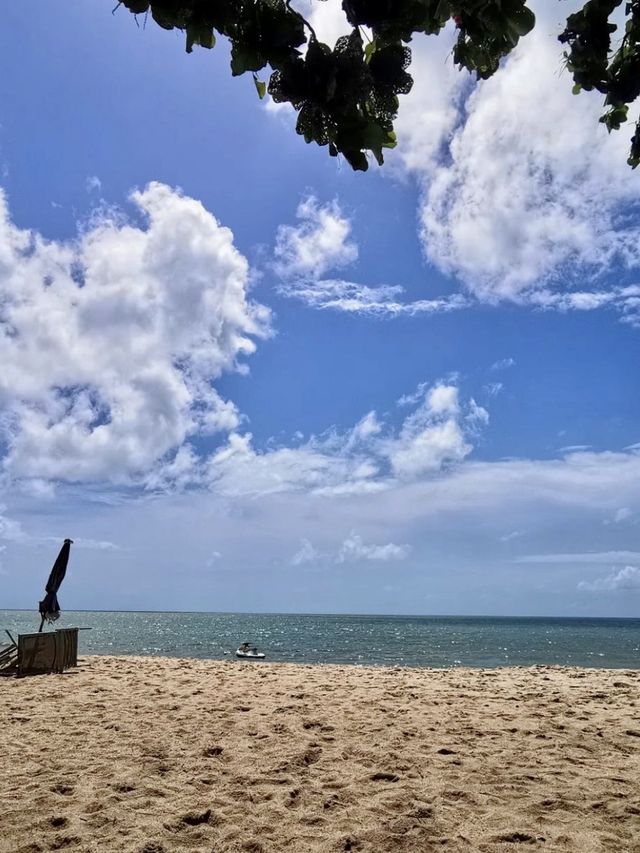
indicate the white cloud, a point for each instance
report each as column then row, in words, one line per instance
column 213, row 558
column 109, row 344
column 352, row 298
column 494, row 388
column 626, row 300
column 431, row 436
column 443, row 400
column 354, row 549
column 627, row 578
column 305, row 554
column 413, row 398
column 477, row 416
column 622, row 514
column 327, row 19
column 13, row 532
column 430, row 112
column 92, row 544
column 503, row 364
column 365, row 459
column 10, row 530
column 587, row 557
column 525, row 195
column 515, row 534
column 535, row 188
column 93, row 182
column 452, row 518
column 320, row 242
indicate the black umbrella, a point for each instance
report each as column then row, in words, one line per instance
column 49, row 607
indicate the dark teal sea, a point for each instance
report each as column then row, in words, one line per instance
column 435, row 641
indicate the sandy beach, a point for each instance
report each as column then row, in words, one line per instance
column 152, row 755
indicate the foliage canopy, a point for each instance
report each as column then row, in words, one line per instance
column 347, row 97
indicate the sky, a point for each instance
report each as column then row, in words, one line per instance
column 243, row 377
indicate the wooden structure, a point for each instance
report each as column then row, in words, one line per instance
column 34, row 654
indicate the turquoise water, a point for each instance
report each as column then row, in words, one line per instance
column 438, row 641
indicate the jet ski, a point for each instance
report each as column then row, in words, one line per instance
column 249, row 652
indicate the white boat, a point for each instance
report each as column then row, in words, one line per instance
column 249, row 653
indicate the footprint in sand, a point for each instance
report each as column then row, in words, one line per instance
column 196, row 818
column 384, row 776
column 63, row 841
column 63, row 788
column 123, row 787
column 517, row 838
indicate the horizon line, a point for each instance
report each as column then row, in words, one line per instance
column 314, row 613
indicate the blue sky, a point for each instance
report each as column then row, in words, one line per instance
column 264, row 382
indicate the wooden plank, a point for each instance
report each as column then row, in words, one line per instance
column 36, row 653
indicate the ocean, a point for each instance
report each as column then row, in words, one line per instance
column 432, row 641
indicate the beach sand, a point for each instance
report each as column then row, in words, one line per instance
column 151, row 755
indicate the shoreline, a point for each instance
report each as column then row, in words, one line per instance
column 142, row 754
column 231, row 659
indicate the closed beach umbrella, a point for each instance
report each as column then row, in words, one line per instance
column 49, row 607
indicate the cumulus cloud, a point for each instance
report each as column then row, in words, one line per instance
column 627, row 578
column 327, row 19
column 363, row 460
column 525, row 195
column 306, row 553
column 534, row 189
column 109, row 344
column 431, row 111
column 440, row 514
column 431, row 436
column 354, row 549
column 320, row 242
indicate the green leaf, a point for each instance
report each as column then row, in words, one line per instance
column 522, row 20
column 261, row 86
column 392, row 140
column 577, row 89
column 615, row 117
column 357, row 160
column 245, row 58
column 201, row 35
column 138, row 7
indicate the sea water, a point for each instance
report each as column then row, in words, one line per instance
column 434, row 641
